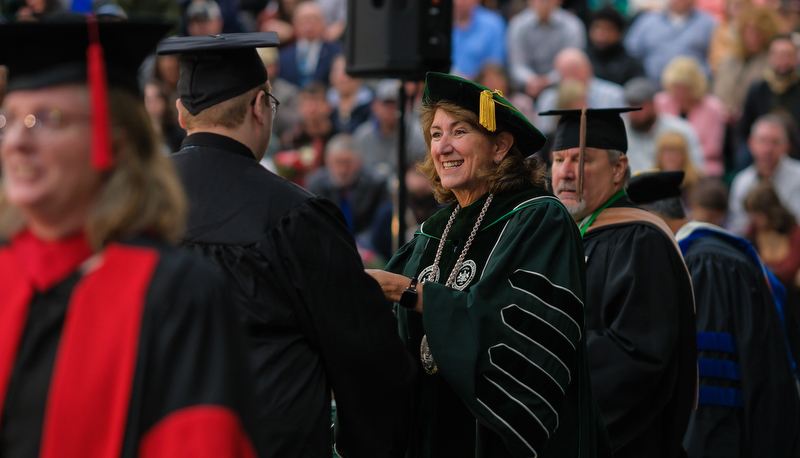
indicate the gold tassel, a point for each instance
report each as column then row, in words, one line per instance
column 486, row 116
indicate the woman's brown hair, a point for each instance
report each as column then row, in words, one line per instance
column 763, row 199
column 514, row 172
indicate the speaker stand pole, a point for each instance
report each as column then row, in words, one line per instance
column 400, row 199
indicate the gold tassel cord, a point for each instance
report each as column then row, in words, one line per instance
column 486, row 115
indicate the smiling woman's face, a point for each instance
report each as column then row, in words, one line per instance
column 459, row 150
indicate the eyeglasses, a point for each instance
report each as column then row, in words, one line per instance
column 273, row 103
column 39, row 120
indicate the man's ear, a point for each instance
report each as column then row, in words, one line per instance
column 502, row 145
column 620, row 168
column 181, row 121
column 259, row 107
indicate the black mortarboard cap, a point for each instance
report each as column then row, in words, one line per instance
column 215, row 68
column 650, row 186
column 604, row 128
column 490, row 106
column 53, row 51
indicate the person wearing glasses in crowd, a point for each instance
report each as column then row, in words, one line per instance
column 112, row 342
column 316, row 321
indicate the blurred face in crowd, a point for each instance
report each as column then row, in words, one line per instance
column 344, row 83
column 386, row 112
column 204, row 26
column 543, row 8
column 642, row 120
column 343, row 166
column 308, row 21
column 313, row 107
column 671, row 158
column 680, row 6
column 601, row 179
column 752, row 38
column 603, row 33
column 573, row 64
column 169, row 70
column 768, row 144
column 46, row 154
column 462, row 9
column 782, row 56
column 153, row 101
column 493, row 79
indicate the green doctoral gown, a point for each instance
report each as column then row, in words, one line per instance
column 507, row 337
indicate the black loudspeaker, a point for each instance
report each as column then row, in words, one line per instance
column 398, row 38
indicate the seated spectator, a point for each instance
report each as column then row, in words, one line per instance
column 346, row 181
column 479, row 37
column 377, row 139
column 163, row 115
column 778, row 90
column 708, row 201
column 348, row 97
column 203, row 17
column 302, row 148
column 644, row 127
column 573, row 65
column 310, row 57
column 769, row 143
column 495, row 76
column 685, row 95
column 609, row 57
column 659, row 37
column 534, row 37
column 755, row 30
column 774, row 233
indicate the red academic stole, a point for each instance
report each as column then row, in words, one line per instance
column 90, row 389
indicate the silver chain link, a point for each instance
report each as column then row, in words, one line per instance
column 432, row 275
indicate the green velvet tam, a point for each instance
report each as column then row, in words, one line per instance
column 494, row 112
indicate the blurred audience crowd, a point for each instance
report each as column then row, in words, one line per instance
column 717, row 81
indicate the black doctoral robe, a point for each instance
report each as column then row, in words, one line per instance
column 316, row 321
column 640, row 337
column 748, row 403
column 136, row 356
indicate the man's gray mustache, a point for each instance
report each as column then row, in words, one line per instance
column 564, row 186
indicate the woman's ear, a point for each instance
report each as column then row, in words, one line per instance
column 502, row 145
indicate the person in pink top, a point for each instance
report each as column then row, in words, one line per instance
column 685, row 95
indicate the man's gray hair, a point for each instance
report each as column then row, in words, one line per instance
column 342, row 142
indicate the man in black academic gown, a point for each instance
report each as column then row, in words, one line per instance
column 639, row 309
column 316, row 321
column 748, row 405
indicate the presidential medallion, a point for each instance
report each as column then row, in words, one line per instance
column 465, row 275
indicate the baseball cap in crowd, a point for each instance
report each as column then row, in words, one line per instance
column 387, row 90
column 215, row 68
column 203, row 10
column 640, row 89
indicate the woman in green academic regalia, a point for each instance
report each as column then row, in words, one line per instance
column 490, row 292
